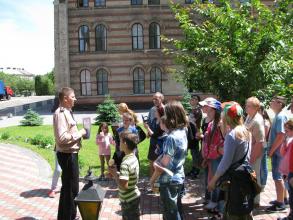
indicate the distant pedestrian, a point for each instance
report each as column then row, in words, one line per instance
column 68, row 143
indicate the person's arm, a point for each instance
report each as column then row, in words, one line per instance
column 256, row 152
column 149, row 130
column 277, row 142
column 63, row 135
column 122, row 181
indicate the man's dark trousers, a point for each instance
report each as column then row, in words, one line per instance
column 70, row 185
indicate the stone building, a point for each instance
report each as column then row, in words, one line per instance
column 114, row 47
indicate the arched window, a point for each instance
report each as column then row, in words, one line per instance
column 156, row 80
column 137, row 36
column 154, row 2
column 154, row 38
column 83, row 3
column 138, row 81
column 84, row 38
column 102, row 82
column 101, row 38
column 100, row 3
column 136, row 2
column 85, row 82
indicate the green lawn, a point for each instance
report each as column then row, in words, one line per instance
column 88, row 155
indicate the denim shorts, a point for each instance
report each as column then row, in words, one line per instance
column 276, row 159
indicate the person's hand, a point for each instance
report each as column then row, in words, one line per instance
column 113, row 170
column 211, row 185
column 270, row 154
column 145, row 124
column 82, row 132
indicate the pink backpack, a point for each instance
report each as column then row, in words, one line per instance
column 212, row 151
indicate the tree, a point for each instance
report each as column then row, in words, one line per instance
column 31, row 118
column 107, row 111
column 234, row 51
column 185, row 101
column 44, row 85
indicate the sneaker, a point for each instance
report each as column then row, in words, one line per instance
column 276, row 207
column 286, row 201
column 51, row 194
column 211, row 205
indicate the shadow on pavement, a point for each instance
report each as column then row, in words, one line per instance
column 35, row 193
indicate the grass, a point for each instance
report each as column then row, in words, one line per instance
column 88, row 155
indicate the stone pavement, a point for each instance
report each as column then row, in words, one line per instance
column 25, row 181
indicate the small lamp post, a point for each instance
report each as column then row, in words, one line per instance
column 90, row 198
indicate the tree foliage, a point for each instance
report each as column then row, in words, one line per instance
column 107, row 111
column 18, row 84
column 234, row 50
column 44, row 84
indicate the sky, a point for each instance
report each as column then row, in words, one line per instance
column 27, row 35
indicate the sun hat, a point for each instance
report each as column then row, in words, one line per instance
column 211, row 102
column 233, row 110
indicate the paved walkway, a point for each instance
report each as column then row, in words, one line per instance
column 25, row 181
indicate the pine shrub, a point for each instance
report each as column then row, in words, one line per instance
column 107, row 111
column 31, row 118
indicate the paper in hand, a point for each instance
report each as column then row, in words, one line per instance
column 87, row 126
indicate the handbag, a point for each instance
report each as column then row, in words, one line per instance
column 240, row 183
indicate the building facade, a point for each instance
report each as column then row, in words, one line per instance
column 114, row 47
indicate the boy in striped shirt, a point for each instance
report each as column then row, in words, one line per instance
column 127, row 179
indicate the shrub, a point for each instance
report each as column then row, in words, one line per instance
column 107, row 111
column 5, row 136
column 185, row 101
column 42, row 141
column 31, row 118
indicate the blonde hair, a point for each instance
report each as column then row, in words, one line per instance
column 254, row 101
column 241, row 131
column 123, row 108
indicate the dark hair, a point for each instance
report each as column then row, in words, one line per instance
column 65, row 91
column 175, row 116
column 130, row 139
column 215, row 127
column 102, row 125
column 289, row 124
column 195, row 96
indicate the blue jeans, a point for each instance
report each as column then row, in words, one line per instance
column 216, row 192
column 264, row 168
column 171, row 195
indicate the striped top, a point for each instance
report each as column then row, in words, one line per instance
column 129, row 171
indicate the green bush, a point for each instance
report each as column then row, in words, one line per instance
column 107, row 111
column 185, row 101
column 31, row 118
column 5, row 136
column 44, row 85
column 42, row 141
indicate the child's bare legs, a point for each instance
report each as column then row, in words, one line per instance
column 102, row 159
column 107, row 159
column 151, row 167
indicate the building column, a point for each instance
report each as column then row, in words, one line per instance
column 61, row 43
